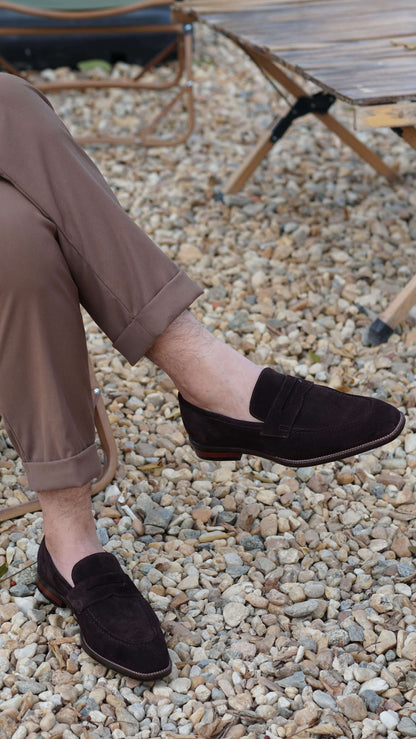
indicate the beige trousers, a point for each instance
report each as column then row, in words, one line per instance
column 65, row 240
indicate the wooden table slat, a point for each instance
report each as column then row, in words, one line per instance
column 359, row 50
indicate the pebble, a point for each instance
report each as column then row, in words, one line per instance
column 377, row 684
column 353, row 707
column 409, row 647
column 314, row 589
column 303, row 609
column 389, row 719
column 372, row 700
column 181, row 685
column 324, row 700
column 234, row 613
column 159, row 518
column 297, row 680
column 406, row 726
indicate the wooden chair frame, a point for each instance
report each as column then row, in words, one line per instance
column 182, row 79
column 109, row 447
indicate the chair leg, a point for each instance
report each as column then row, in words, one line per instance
column 109, row 447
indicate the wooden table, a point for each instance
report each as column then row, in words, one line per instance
column 360, row 51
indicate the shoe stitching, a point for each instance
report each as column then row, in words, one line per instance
column 121, row 667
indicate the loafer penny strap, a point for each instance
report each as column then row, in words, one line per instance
column 286, row 407
column 98, row 588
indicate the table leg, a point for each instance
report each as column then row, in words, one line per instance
column 382, row 328
column 262, row 148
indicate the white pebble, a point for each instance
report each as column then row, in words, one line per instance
column 390, row 719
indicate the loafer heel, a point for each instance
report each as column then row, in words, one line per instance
column 215, row 455
column 49, row 593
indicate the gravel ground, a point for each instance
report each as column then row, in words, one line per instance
column 286, row 595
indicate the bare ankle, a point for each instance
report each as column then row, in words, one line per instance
column 207, row 372
column 69, row 527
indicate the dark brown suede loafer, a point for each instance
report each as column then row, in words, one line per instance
column 118, row 627
column 300, row 424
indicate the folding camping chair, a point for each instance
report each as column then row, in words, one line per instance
column 66, row 17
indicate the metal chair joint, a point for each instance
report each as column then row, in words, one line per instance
column 319, row 103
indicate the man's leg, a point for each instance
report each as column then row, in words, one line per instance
column 46, row 403
column 45, row 392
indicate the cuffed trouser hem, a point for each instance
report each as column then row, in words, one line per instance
column 175, row 297
column 64, row 473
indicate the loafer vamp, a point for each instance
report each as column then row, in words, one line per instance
column 123, row 629
column 122, row 644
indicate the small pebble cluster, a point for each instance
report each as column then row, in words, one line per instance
column 286, row 596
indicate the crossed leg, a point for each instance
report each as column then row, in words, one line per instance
column 66, row 240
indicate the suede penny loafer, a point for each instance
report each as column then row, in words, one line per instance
column 299, row 424
column 118, row 626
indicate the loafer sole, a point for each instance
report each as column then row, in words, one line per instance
column 221, row 454
column 124, row 670
column 58, row 600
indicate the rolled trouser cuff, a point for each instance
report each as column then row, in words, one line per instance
column 142, row 332
column 73, row 472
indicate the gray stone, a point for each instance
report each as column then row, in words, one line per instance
column 236, row 571
column 324, row 700
column 372, row 700
column 144, row 504
column 232, row 558
column 30, row 686
column 303, row 609
column 159, row 517
column 238, row 320
column 226, row 517
column 138, row 711
column 305, row 473
column 102, row 535
column 297, row 680
column 405, row 569
column 32, row 550
column 355, row 632
column 378, row 490
column 406, row 726
column 251, row 543
column 90, row 705
column 265, row 565
column 20, row 590
column 26, row 604
column 314, row 589
column 217, row 694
